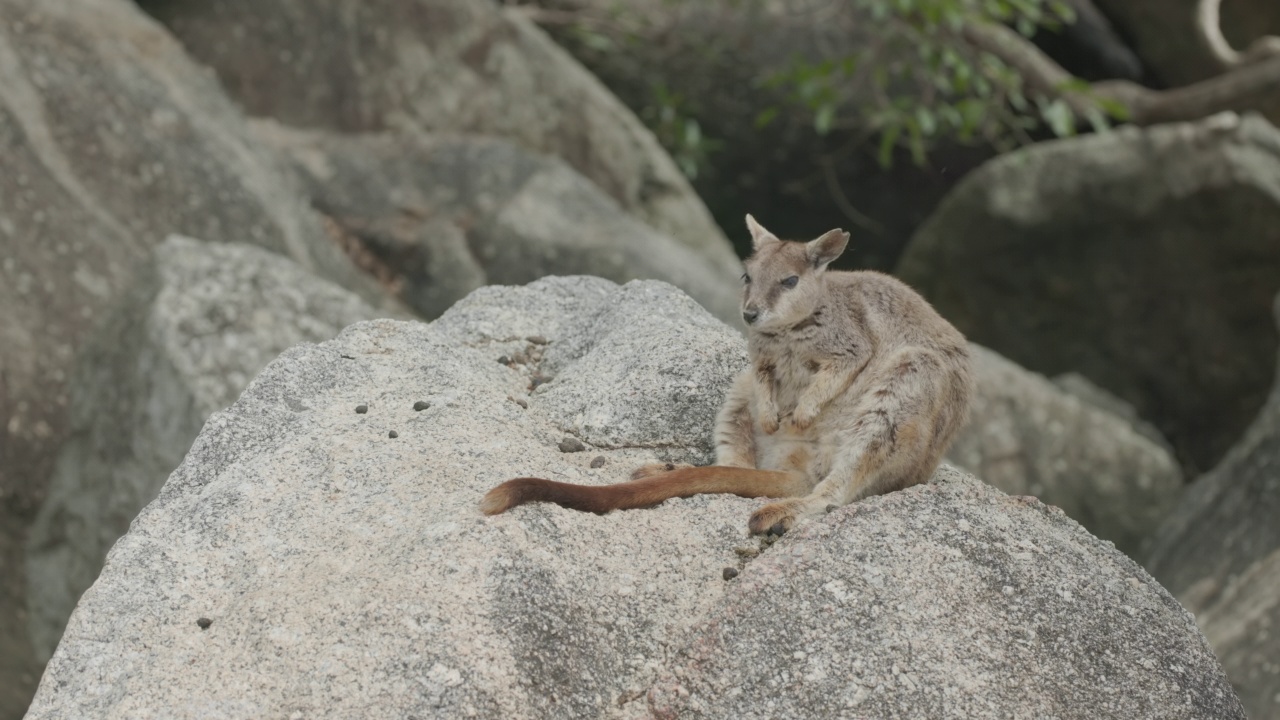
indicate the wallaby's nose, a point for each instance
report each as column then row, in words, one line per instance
column 750, row 315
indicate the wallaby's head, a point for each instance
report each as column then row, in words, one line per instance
column 784, row 282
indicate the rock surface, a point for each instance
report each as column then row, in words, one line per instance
column 1219, row 553
column 949, row 599
column 440, row 66
column 403, row 600
column 1028, row 437
column 111, row 139
column 199, row 323
column 1146, row 260
column 446, row 215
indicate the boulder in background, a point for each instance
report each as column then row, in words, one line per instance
column 442, row 216
column 1219, row 554
column 440, row 66
column 1028, row 437
column 198, row 325
column 1145, row 260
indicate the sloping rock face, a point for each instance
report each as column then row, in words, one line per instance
column 440, row 66
column 945, row 600
column 112, row 139
column 1028, row 437
column 303, row 561
column 200, row 322
column 447, row 215
column 1146, row 260
column 1219, row 553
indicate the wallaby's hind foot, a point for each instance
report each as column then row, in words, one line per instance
column 773, row 519
column 652, row 469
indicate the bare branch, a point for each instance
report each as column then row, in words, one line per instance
column 1210, row 28
column 1247, row 87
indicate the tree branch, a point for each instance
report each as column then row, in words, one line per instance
column 1249, row 86
column 1210, row 29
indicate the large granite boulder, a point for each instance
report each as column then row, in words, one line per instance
column 112, row 138
column 944, row 600
column 1027, row 436
column 445, row 215
column 440, row 66
column 1146, row 260
column 310, row 559
column 1219, row 554
column 199, row 323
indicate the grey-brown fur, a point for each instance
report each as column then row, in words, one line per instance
column 856, row 384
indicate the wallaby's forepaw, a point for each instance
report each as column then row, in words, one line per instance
column 652, row 469
column 803, row 416
column 774, row 519
column 769, row 423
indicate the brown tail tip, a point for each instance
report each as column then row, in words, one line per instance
column 508, row 495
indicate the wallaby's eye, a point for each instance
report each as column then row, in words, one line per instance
column 746, row 279
column 790, row 282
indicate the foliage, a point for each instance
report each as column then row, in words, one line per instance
column 910, row 80
column 677, row 130
column 914, row 80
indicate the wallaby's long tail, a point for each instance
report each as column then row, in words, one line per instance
column 684, row 482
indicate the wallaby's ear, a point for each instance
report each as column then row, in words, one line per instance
column 827, row 248
column 759, row 236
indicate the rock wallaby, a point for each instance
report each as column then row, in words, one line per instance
column 856, row 387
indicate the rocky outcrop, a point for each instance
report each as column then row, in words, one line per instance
column 1219, row 553
column 944, row 600
column 1143, row 259
column 445, row 215
column 112, row 139
column 199, row 323
column 1028, row 437
column 440, row 66
column 402, row 599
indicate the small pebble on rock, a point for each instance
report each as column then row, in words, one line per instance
column 747, row 551
column 537, row 340
column 571, row 444
column 421, row 405
column 597, row 461
column 730, row 573
column 362, row 409
column 393, row 434
column 504, row 360
column 522, row 403
column 204, row 623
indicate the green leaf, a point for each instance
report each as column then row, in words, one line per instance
column 926, row 121
column 824, row 119
column 765, row 117
column 1116, row 109
column 1074, row 84
column 1060, row 118
column 887, row 140
column 915, row 141
column 692, row 133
